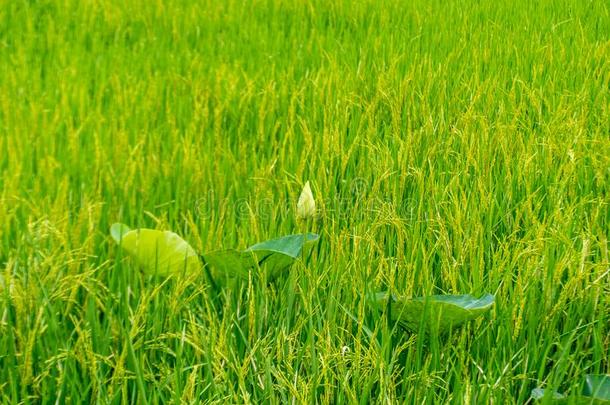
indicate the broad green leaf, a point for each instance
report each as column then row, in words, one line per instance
column 290, row 245
column 118, row 230
column 436, row 313
column 228, row 265
column 596, row 391
column 158, row 252
column 273, row 255
column 539, row 394
column 597, row 388
column 279, row 254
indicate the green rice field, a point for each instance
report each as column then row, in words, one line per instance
column 452, row 148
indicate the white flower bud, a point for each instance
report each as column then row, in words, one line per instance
column 306, row 207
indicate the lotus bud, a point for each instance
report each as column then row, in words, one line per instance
column 306, row 207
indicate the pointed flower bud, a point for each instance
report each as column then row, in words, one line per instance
column 306, row 207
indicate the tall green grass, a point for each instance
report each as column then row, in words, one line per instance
column 453, row 147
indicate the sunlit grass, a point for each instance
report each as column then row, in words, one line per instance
column 452, row 147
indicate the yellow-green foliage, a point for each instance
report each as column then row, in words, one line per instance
column 157, row 252
column 453, row 147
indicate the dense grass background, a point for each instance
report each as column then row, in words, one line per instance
column 453, row 147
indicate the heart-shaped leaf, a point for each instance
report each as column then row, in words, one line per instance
column 158, row 252
column 435, row 313
column 274, row 255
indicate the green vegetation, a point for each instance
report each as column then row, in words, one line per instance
column 436, row 314
column 595, row 391
column 452, row 148
column 272, row 256
column 157, row 252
